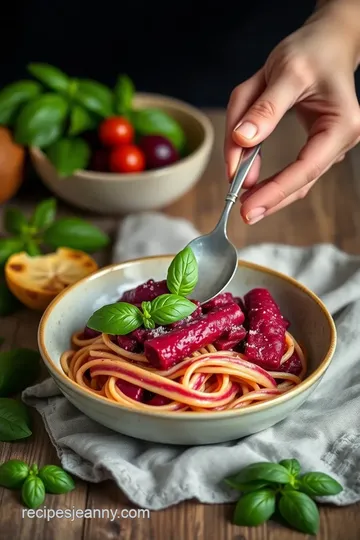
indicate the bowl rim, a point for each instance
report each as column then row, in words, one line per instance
column 197, row 114
column 258, row 407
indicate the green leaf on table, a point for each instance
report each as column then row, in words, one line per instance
column 94, row 97
column 292, row 465
column 317, row 484
column 182, row 275
column 13, row 473
column 69, row 155
column 80, row 120
column 32, row 247
column 41, row 121
column 19, row 368
column 9, row 304
column 14, row 220
column 270, row 472
column 157, row 122
column 170, row 308
column 13, row 96
column 14, row 420
column 50, row 76
column 56, row 480
column 124, row 92
column 44, row 214
column 299, row 511
column 34, row 469
column 255, row 508
column 9, row 246
column 120, row 319
column 75, row 233
column 246, row 487
column 33, row 492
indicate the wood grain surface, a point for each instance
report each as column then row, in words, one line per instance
column 330, row 213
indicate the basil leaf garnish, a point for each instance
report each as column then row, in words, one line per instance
column 182, row 275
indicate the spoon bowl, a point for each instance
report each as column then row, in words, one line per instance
column 217, row 263
column 216, row 256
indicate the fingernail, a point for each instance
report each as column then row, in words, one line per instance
column 255, row 220
column 255, row 214
column 247, row 130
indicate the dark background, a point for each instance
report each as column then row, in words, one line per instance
column 193, row 50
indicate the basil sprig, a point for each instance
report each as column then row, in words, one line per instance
column 34, row 483
column 122, row 318
column 268, row 487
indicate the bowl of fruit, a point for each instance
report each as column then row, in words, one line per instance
column 108, row 150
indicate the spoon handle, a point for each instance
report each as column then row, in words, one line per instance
column 241, row 173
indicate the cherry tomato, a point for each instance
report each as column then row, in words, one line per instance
column 115, row 131
column 126, row 159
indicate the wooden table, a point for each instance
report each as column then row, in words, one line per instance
column 329, row 214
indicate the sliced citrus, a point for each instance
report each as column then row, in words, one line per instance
column 35, row 281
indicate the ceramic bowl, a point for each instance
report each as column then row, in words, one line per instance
column 311, row 324
column 110, row 193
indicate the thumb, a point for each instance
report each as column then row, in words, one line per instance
column 265, row 113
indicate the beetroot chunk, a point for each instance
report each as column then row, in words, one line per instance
column 292, row 365
column 231, row 340
column 265, row 342
column 145, row 292
column 125, row 342
column 219, row 300
column 131, row 390
column 169, row 349
column 89, row 333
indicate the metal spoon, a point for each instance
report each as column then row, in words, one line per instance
column 216, row 256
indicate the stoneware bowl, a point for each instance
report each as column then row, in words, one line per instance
column 110, row 193
column 310, row 323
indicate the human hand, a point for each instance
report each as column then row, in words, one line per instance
column 313, row 71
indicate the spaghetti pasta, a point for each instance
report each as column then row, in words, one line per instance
column 207, row 380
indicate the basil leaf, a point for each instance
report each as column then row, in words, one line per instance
column 18, row 369
column 69, row 155
column 116, row 319
column 75, row 233
column 317, row 484
column 14, row 420
column 9, row 304
column 13, row 96
column 149, row 323
column 170, row 308
column 44, row 214
column 95, row 97
column 14, row 220
column 300, row 512
column 255, row 508
column 41, row 121
column 292, row 465
column 157, row 122
column 80, row 120
column 182, row 275
column 250, row 486
column 271, row 472
column 124, row 92
column 51, row 76
column 34, row 469
column 32, row 248
column 9, row 246
column 56, row 480
column 13, row 473
column 33, row 492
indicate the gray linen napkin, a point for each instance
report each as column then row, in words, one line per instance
column 324, row 435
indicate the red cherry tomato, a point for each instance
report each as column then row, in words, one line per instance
column 115, row 131
column 126, row 159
